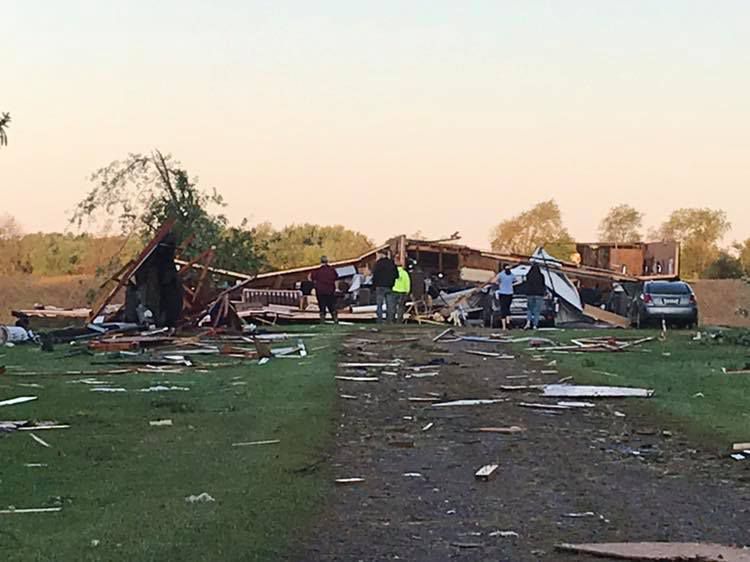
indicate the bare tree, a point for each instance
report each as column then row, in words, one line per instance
column 4, row 121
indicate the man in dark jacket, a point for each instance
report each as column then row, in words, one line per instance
column 325, row 289
column 536, row 287
column 384, row 274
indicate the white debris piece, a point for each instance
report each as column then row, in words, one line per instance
column 504, row 534
column 588, row 391
column 17, row 400
column 161, row 388
column 200, row 498
column 471, row 402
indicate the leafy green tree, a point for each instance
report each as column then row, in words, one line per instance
column 699, row 231
column 299, row 245
column 539, row 226
column 622, row 225
column 725, row 266
column 743, row 249
column 144, row 190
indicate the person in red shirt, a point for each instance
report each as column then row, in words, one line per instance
column 325, row 289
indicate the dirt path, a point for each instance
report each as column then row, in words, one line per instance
column 423, row 503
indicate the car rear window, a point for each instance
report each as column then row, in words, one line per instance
column 668, row 288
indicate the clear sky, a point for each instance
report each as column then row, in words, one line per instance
column 387, row 116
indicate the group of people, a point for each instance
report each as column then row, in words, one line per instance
column 535, row 289
column 392, row 285
column 391, row 282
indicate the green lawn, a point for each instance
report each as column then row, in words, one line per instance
column 678, row 369
column 122, row 483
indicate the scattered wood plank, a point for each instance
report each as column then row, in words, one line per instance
column 17, row 400
column 424, row 399
column 160, row 423
column 442, row 334
column 368, row 365
column 569, row 404
column 604, row 316
column 42, row 427
column 357, row 379
column 253, row 443
column 348, row 481
column 503, row 430
column 428, row 426
column 487, row 353
column 486, row 472
column 541, row 406
column 469, row 402
column 39, row 440
column 512, row 387
column 741, row 447
column 30, row 510
column 589, row 391
column 664, row 551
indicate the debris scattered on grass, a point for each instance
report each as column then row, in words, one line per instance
column 108, row 389
column 357, row 379
column 252, row 443
column 14, row 510
column 200, row 498
column 35, row 465
column 162, row 388
column 469, row 402
column 160, row 423
column 17, row 400
column 348, row 396
column 346, row 481
column 570, row 404
column 428, row 426
column 39, row 440
column 413, row 475
column 589, row 391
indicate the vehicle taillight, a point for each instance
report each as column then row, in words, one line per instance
column 647, row 298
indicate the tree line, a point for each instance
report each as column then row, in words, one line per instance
column 132, row 197
column 699, row 231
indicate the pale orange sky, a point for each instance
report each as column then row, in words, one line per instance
column 388, row 117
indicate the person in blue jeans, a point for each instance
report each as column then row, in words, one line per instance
column 536, row 287
column 384, row 274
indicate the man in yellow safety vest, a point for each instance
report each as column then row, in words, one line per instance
column 401, row 290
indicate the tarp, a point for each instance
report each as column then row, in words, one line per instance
column 557, row 282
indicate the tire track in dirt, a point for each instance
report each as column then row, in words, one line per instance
column 422, row 503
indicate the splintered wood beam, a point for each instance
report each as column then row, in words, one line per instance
column 135, row 265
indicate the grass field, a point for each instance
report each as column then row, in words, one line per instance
column 122, row 483
column 686, row 375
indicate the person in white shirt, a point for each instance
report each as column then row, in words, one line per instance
column 505, row 281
